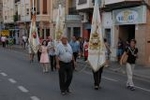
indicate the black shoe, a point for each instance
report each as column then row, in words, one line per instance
column 68, row 91
column 128, row 87
column 132, row 88
column 96, row 87
column 63, row 93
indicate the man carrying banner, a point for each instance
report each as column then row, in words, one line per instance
column 33, row 35
column 97, row 49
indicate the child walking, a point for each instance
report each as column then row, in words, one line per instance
column 44, row 59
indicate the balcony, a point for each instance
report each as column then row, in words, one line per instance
column 84, row 4
column 73, row 18
column 116, row 4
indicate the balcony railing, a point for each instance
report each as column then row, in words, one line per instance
column 82, row 2
column 117, row 4
column 73, row 18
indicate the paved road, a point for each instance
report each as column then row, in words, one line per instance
column 20, row 80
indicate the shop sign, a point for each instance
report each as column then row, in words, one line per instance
column 127, row 16
column 135, row 15
column 5, row 33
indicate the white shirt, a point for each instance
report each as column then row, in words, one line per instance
column 24, row 38
column 51, row 46
column 3, row 39
column 64, row 52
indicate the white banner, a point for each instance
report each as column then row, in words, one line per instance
column 96, row 50
column 60, row 24
column 33, row 36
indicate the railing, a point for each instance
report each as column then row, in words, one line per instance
column 73, row 18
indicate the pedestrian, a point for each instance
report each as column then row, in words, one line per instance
column 131, row 51
column 44, row 60
column 85, row 47
column 119, row 49
column 108, row 52
column 39, row 53
column 98, row 74
column 31, row 53
column 81, row 46
column 10, row 42
column 24, row 40
column 64, row 59
column 97, row 78
column 52, row 54
column 3, row 40
column 75, row 47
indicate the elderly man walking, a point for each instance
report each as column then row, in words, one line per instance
column 64, row 59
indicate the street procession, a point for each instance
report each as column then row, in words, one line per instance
column 51, row 53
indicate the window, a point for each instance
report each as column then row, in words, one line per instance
column 47, row 32
column 44, row 6
column 82, row 2
column 38, row 6
column 27, row 11
column 76, row 31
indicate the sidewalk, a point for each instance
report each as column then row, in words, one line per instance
column 140, row 71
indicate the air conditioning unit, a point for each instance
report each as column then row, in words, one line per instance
column 84, row 17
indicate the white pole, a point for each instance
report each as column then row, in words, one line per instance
column 33, row 5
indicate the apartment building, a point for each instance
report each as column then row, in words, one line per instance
column 43, row 16
column 1, row 15
column 8, row 12
column 85, row 9
column 17, row 17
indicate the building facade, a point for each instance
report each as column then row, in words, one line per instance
column 127, row 19
column 1, row 15
column 17, row 17
column 43, row 16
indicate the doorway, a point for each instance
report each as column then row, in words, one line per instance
column 127, row 32
column 107, row 35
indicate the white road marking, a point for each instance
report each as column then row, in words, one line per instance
column 4, row 74
column 106, row 78
column 12, row 81
column 110, row 79
column 34, row 98
column 147, row 90
column 23, row 89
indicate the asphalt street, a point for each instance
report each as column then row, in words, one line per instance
column 20, row 80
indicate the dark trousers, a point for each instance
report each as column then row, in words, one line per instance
column 97, row 76
column 75, row 55
column 38, row 55
column 52, row 62
column 65, row 76
column 4, row 44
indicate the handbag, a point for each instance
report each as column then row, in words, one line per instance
column 124, row 59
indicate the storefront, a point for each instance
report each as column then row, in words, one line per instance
column 133, row 23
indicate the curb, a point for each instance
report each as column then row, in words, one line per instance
column 119, row 71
